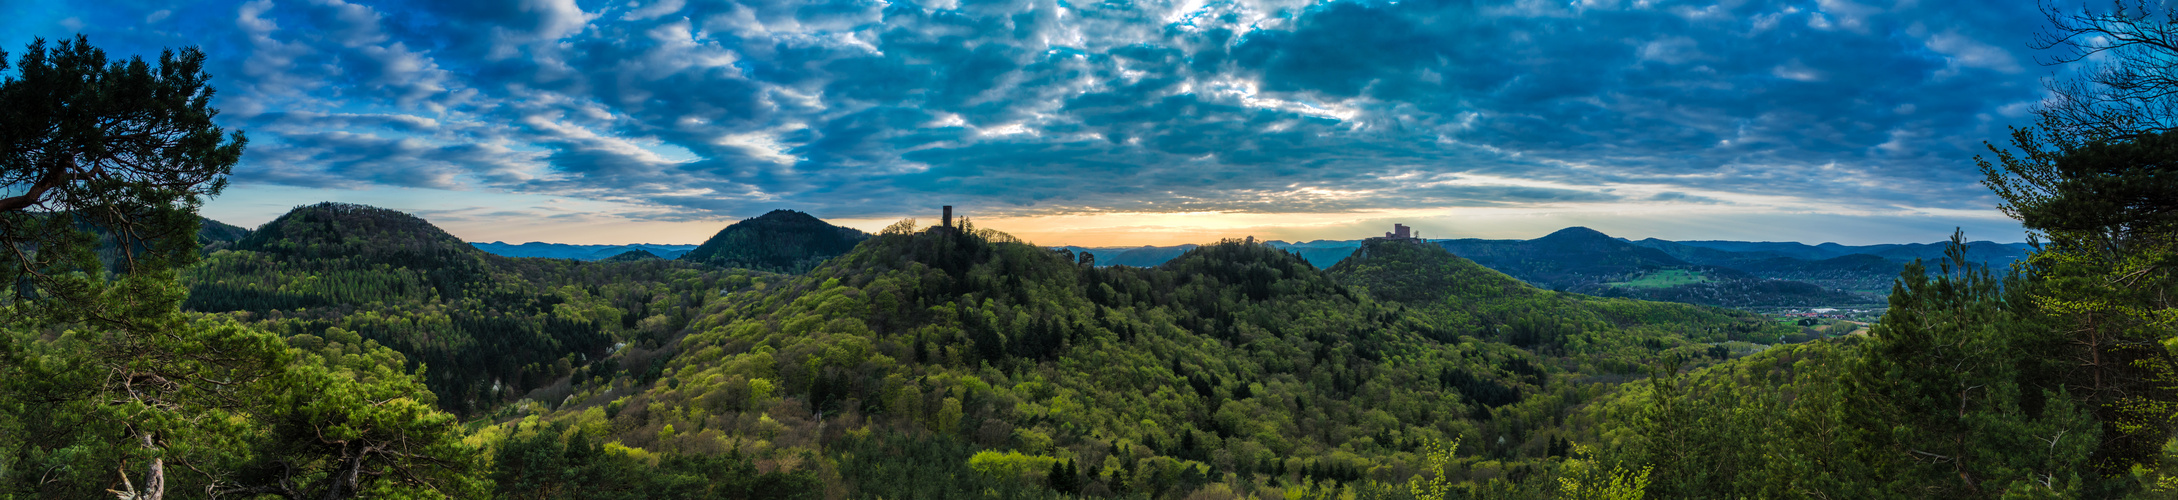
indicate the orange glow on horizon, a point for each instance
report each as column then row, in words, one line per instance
column 1088, row 230
column 480, row 217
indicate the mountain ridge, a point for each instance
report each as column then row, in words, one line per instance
column 489, row 328
column 979, row 343
column 579, row 252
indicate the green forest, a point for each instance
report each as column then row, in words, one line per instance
column 347, row 351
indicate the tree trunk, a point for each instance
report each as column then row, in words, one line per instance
column 155, row 477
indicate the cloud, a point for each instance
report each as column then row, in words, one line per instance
column 863, row 107
column 1965, row 52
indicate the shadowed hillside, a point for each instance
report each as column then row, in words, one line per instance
column 631, row 256
column 781, row 241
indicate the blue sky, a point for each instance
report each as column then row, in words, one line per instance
column 1109, row 122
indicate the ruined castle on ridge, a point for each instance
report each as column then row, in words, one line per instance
column 1402, row 232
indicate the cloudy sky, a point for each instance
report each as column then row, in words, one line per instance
column 1110, row 122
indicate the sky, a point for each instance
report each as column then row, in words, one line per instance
column 1108, row 123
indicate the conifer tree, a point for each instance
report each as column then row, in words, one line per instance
column 1946, row 394
column 2104, row 280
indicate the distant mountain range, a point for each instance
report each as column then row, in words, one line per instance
column 782, row 241
column 1576, row 259
column 580, row 252
column 1726, row 273
column 1324, row 253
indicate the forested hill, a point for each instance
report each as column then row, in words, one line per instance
column 1455, row 293
column 1421, row 273
column 631, row 255
column 947, row 363
column 780, row 241
column 368, row 235
column 491, row 329
column 1566, row 257
column 212, row 232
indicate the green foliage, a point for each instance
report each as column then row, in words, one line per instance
column 1436, row 457
column 1591, row 479
column 2103, row 285
column 1953, row 398
column 556, row 462
column 1949, row 396
column 1454, row 297
column 1663, row 278
column 2056, row 380
column 1010, row 465
column 209, row 405
column 907, row 467
column 1235, row 366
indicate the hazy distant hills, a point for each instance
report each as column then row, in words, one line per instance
column 783, row 240
column 1727, row 273
column 1142, row 256
column 580, row 252
column 1572, row 256
column 1866, row 268
column 1577, row 259
column 1582, row 260
column 1723, row 252
column 1748, row 256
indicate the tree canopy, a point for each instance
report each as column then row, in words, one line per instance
column 126, row 147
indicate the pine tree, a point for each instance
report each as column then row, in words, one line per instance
column 1940, row 395
column 2103, row 284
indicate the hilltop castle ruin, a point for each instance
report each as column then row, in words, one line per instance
column 1402, row 232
